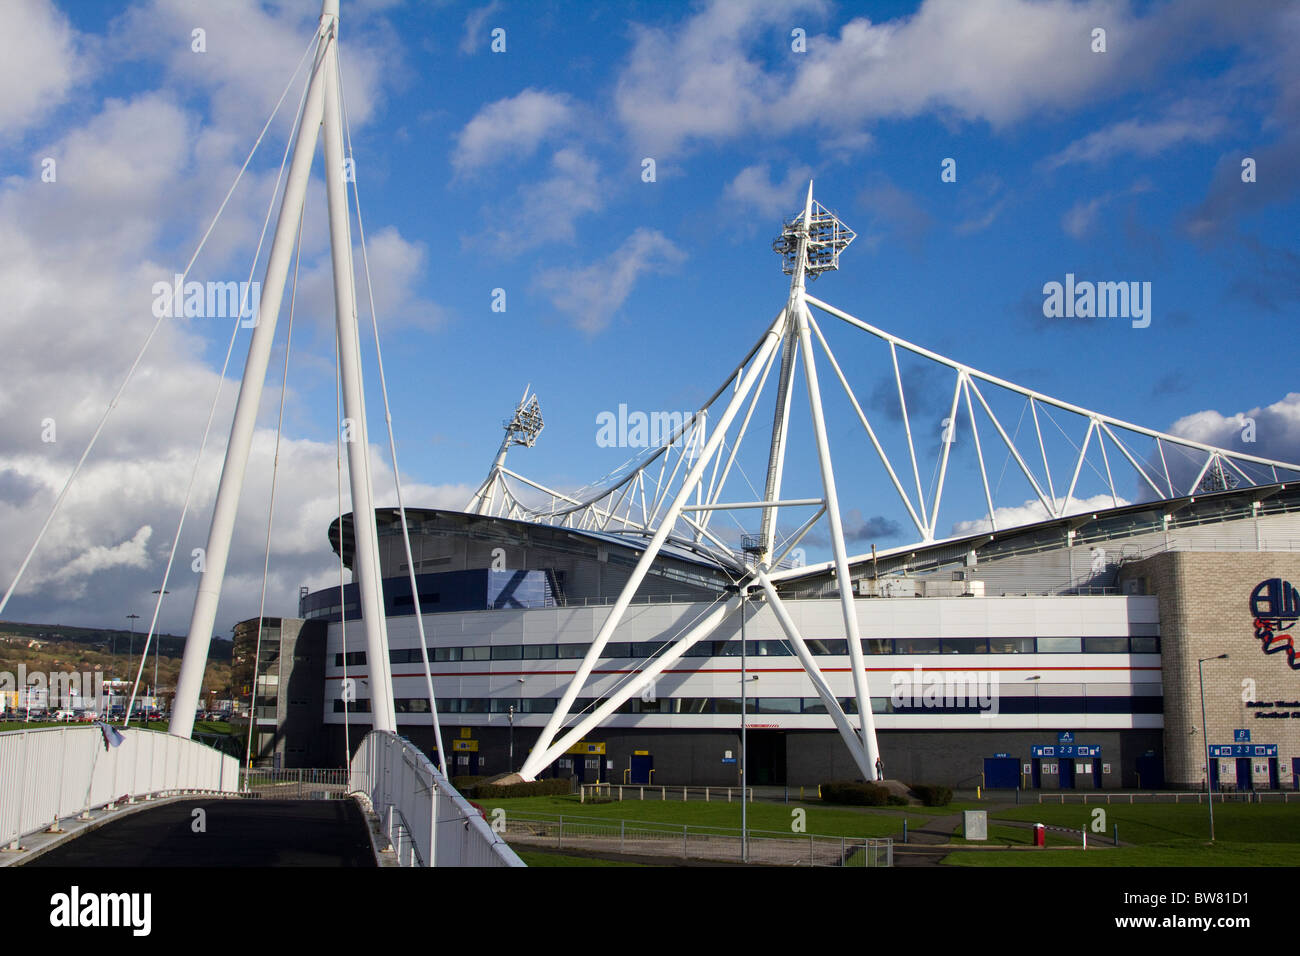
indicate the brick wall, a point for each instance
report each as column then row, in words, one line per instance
column 1204, row 600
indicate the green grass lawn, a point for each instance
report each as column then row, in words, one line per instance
column 1171, row 835
column 776, row 817
column 1161, row 822
column 1180, row 854
column 1002, row 834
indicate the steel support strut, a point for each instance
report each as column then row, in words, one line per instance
column 189, row 684
column 535, row 761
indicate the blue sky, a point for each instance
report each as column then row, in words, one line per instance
column 522, row 170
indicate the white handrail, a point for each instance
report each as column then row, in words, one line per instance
column 53, row 773
column 443, row 826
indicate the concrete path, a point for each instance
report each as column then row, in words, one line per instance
column 234, row 833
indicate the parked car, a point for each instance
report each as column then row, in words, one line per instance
column 64, row 715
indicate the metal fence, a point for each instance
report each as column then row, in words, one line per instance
column 643, row 838
column 58, row 772
column 294, row 784
column 425, row 817
column 1100, row 796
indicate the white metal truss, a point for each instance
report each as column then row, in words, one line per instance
column 671, row 493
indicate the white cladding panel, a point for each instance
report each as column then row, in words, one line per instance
column 1004, row 675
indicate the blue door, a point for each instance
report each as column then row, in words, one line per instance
column 1067, row 774
column 1151, row 771
column 1214, row 774
column 1244, row 777
column 1273, row 782
column 1001, row 773
column 1036, row 774
column 642, row 764
column 1295, row 773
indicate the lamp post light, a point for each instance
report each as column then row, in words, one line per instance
column 1205, row 730
column 520, row 682
column 743, row 591
column 511, row 714
column 131, row 654
column 157, row 649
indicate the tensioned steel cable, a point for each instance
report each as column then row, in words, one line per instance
column 388, row 419
column 212, row 410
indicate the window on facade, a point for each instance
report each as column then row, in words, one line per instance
column 1105, row 645
column 965, row 645
column 1011, row 645
column 1060, row 645
column 916, row 645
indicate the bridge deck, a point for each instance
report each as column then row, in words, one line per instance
column 236, row 833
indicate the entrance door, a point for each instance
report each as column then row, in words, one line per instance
column 1214, row 774
column 1151, row 772
column 1245, row 780
column 592, row 769
column 1001, row 773
column 1273, row 781
column 1067, row 774
column 467, row 764
column 642, row 764
column 1036, row 776
column 766, row 749
column 1096, row 773
column 1295, row 773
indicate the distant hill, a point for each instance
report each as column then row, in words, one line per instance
column 57, row 647
column 169, row 645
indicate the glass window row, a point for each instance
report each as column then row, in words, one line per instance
column 832, row 647
column 772, row 705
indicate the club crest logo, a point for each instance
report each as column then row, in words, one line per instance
column 1275, row 606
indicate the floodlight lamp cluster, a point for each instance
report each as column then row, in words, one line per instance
column 827, row 238
column 527, row 423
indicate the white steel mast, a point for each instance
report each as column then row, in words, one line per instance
column 320, row 109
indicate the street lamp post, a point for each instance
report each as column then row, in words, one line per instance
column 157, row 649
column 131, row 654
column 1205, row 731
column 511, row 714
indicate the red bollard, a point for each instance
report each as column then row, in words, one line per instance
column 1040, row 835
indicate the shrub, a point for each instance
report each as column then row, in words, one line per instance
column 932, row 795
column 533, row 788
column 466, row 782
column 854, row 793
column 896, row 801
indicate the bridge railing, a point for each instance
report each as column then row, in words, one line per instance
column 440, row 824
column 59, row 772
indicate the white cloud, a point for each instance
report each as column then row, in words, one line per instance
column 511, row 128
column 594, row 293
column 1032, row 511
column 474, row 21
column 718, row 75
column 753, row 187
column 548, row 211
column 137, row 179
column 1188, row 123
column 251, row 51
column 39, row 64
column 1275, row 431
column 698, row 81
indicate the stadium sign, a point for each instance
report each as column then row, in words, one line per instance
column 1275, row 606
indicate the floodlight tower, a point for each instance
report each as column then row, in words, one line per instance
column 809, row 245
column 521, row 429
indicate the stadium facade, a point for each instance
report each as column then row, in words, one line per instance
column 1064, row 654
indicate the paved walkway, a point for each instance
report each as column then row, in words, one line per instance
column 235, row 833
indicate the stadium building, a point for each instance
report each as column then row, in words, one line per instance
column 611, row 633
column 1063, row 654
